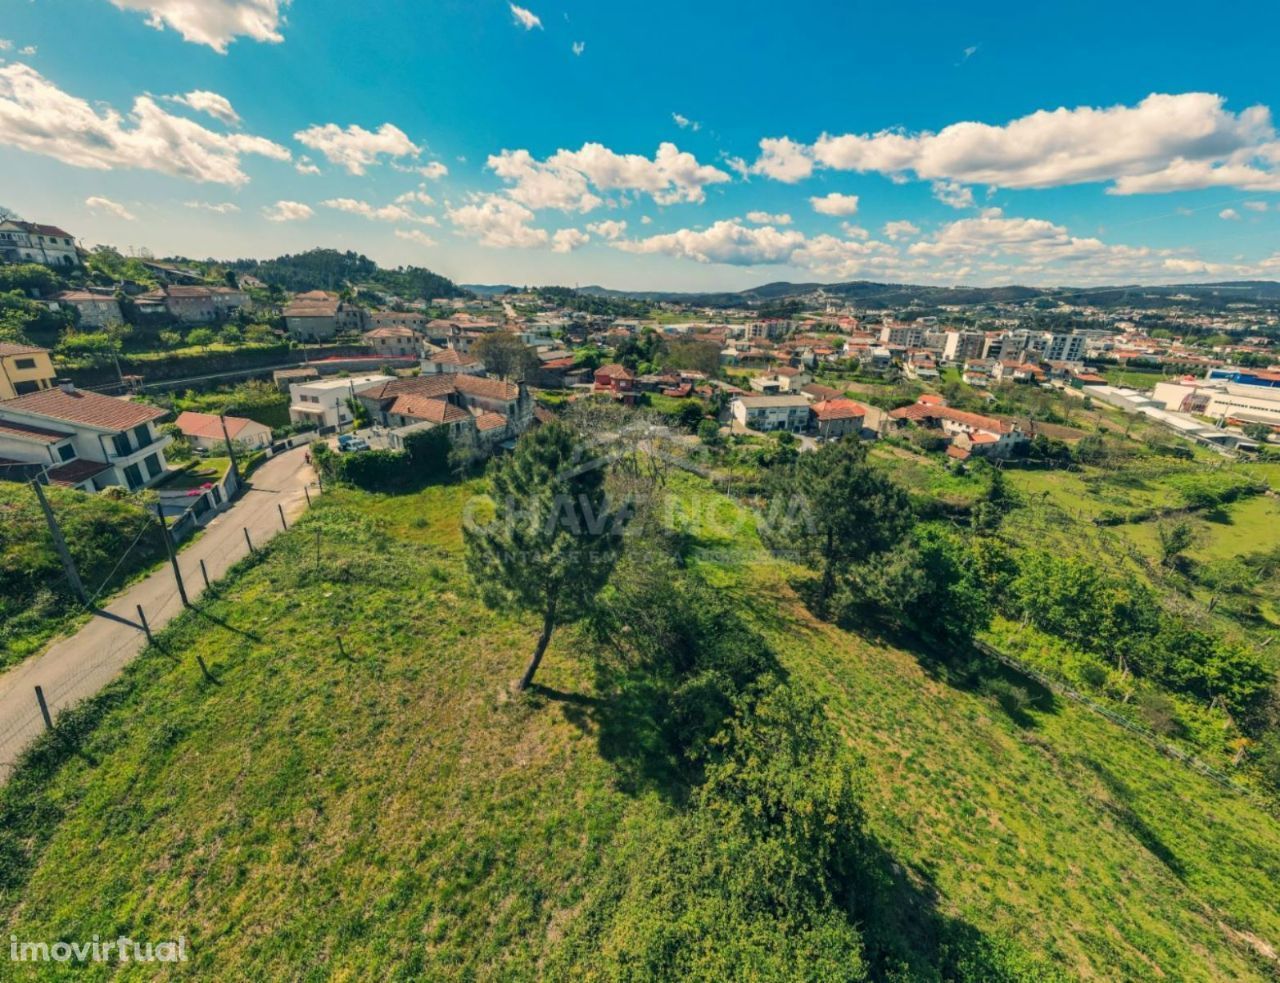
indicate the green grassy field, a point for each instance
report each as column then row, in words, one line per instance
column 395, row 814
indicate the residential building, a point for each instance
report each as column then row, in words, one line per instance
column 905, row 335
column 451, row 360
column 617, row 380
column 1011, row 370
column 87, row 440
column 961, row 346
column 832, row 419
column 921, row 366
column 396, row 341
column 24, row 369
column 415, row 321
column 204, row 431
column 318, row 315
column 193, row 304
column 94, row 310
column 1059, row 347
column 324, row 401
column 30, row 242
column 490, row 410
column 771, row 412
column 973, row 432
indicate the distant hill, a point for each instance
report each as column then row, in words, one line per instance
column 1210, row 296
column 331, row 269
column 489, row 290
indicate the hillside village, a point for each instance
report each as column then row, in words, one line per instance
column 1038, row 609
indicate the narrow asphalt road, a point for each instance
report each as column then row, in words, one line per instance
column 79, row 666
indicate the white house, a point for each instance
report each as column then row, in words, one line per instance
column 29, row 242
column 771, row 412
column 87, row 440
column 324, row 401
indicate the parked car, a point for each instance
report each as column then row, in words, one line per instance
column 354, row 444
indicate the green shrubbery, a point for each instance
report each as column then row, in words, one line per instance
column 425, row 458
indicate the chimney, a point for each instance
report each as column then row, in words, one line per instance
column 67, row 386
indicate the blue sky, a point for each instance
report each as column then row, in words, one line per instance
column 658, row 145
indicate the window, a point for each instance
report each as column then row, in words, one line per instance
column 66, row 452
column 152, row 463
column 121, row 442
column 133, row 476
column 142, row 434
column 22, row 388
column 24, row 363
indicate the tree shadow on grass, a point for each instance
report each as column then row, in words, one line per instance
column 1120, row 805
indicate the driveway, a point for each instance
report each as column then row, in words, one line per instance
column 79, row 666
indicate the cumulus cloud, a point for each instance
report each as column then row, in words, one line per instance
column 37, row 116
column 685, row 123
column 6, row 44
column 953, row 193
column 416, row 235
column 28, row 51
column 356, row 148
column 109, row 207
column 835, row 204
column 220, row 208
column 287, row 211
column 609, row 229
column 724, row 242
column 209, row 103
column 565, row 179
column 768, row 218
column 567, row 240
column 1229, row 214
column 215, row 23
column 306, row 166
column 376, row 213
column 783, row 159
column 525, row 18
column 498, row 222
column 900, row 230
column 1167, row 142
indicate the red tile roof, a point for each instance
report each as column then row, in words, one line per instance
column 474, row 385
column 977, row 421
column 838, row 409
column 24, row 431
column 75, row 472
column 208, row 426
column 87, row 408
column 431, row 410
column 615, row 371
column 490, row 421
column 9, row 348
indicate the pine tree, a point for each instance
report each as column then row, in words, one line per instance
column 553, row 541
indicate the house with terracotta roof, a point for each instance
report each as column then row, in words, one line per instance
column 204, row 431
column 972, row 432
column 323, row 402
column 617, row 380
column 450, row 360
column 31, row 242
column 84, row 439
column 95, row 310
column 24, row 369
column 832, row 419
column 470, row 406
column 392, row 340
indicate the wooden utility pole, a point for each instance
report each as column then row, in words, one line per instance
column 173, row 556
column 60, row 544
column 231, row 451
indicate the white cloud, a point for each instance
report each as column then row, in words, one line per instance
column 220, row 208
column 110, row 207
column 37, row 116
column 415, row 198
column 901, row 230
column 287, row 211
column 724, row 242
column 306, row 166
column 685, row 123
column 567, row 240
column 525, row 18
column 768, row 218
column 564, row 179
column 213, row 22
column 433, row 171
column 783, row 160
column 29, row 51
column 953, row 193
column 579, row 47
column 1229, row 214
column 6, row 44
column 1164, row 143
column 646, row 220
column 498, row 222
column 609, row 229
column 375, row 213
column 210, row 103
column 835, row 204
column 1255, row 206
column 356, row 148
column 416, row 235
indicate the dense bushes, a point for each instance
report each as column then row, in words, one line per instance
column 425, row 458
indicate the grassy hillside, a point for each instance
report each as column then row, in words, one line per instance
column 395, row 814
column 36, row 602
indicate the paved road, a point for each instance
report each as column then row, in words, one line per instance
column 79, row 666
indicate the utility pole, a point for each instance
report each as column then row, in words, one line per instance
column 60, row 544
column 231, row 451
column 173, row 555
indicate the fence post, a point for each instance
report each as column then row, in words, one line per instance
column 205, row 574
column 247, row 539
column 306, row 489
column 44, row 709
column 280, row 508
